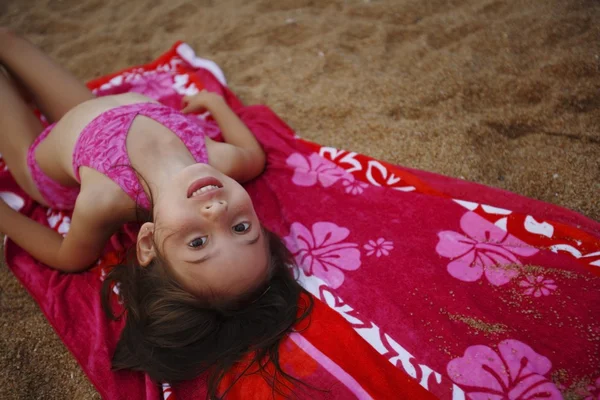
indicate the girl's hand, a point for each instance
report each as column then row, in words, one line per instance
column 200, row 102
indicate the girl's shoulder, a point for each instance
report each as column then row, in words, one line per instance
column 103, row 197
column 98, row 214
column 236, row 162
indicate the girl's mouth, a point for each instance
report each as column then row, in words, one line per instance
column 203, row 185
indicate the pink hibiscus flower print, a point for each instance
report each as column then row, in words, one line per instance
column 322, row 252
column 515, row 372
column 154, row 85
column 314, row 168
column 484, row 249
column 379, row 247
column 537, row 286
column 353, row 186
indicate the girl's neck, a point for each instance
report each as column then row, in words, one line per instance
column 158, row 158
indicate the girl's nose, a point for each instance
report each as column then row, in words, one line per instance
column 214, row 209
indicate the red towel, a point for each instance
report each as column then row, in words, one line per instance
column 418, row 295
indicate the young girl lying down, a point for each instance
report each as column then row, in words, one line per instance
column 208, row 283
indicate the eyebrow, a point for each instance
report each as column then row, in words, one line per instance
column 247, row 242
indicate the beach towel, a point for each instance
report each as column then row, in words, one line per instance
column 425, row 286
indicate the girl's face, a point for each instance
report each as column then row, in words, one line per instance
column 208, row 231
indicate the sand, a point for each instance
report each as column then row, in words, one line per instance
column 505, row 93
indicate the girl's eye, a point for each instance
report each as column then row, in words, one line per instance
column 198, row 242
column 242, row 227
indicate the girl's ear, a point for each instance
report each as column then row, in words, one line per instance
column 145, row 245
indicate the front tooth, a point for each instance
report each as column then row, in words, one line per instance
column 204, row 189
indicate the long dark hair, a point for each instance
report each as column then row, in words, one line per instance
column 173, row 335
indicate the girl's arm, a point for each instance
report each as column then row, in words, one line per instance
column 76, row 252
column 40, row 241
column 241, row 156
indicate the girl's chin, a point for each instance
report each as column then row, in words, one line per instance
column 199, row 170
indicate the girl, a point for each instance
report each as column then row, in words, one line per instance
column 208, row 283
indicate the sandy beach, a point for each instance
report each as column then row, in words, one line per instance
column 504, row 93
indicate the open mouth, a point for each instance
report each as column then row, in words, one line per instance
column 203, row 185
